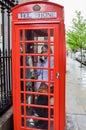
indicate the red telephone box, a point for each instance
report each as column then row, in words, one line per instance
column 38, row 66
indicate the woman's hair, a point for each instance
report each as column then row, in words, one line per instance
column 43, row 84
column 43, row 88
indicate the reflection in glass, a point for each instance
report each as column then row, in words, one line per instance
column 29, row 61
column 21, row 86
column 22, row 121
column 52, row 88
column 22, row 98
column 29, row 111
column 52, row 35
column 29, row 72
column 21, row 60
column 52, row 48
column 29, row 98
column 30, row 123
column 29, row 86
column 52, row 125
column 38, row 100
column 21, row 73
column 21, row 48
column 52, row 101
column 51, row 61
column 35, row 48
column 39, row 124
column 28, row 34
column 22, row 110
column 36, row 34
column 29, row 48
column 21, row 34
column 52, row 113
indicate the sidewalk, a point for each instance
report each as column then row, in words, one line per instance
column 75, row 95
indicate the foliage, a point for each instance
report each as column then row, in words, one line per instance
column 76, row 36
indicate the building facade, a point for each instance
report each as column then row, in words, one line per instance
column 5, row 54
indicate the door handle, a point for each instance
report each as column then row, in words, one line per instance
column 57, row 75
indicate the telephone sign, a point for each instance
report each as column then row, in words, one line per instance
column 37, row 15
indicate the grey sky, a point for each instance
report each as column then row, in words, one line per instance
column 70, row 6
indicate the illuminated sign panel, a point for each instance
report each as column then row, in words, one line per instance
column 36, row 15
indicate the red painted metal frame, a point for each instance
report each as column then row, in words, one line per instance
column 60, row 60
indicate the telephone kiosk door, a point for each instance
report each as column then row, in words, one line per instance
column 38, row 68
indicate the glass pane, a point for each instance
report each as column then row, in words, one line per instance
column 29, row 99
column 52, row 87
column 52, row 113
column 52, row 35
column 29, row 61
column 30, row 123
column 29, row 48
column 29, row 73
column 22, row 98
column 29, row 86
column 52, row 48
column 36, row 34
column 22, row 121
column 21, row 60
column 22, row 110
column 29, row 111
column 36, row 112
column 21, row 34
column 21, row 86
column 51, row 61
column 37, row 124
column 21, row 73
column 52, row 101
column 21, row 48
column 34, row 99
column 52, row 125
column 40, row 61
column 36, row 48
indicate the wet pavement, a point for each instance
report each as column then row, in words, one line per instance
column 75, row 95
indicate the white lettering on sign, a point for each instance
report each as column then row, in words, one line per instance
column 37, row 15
